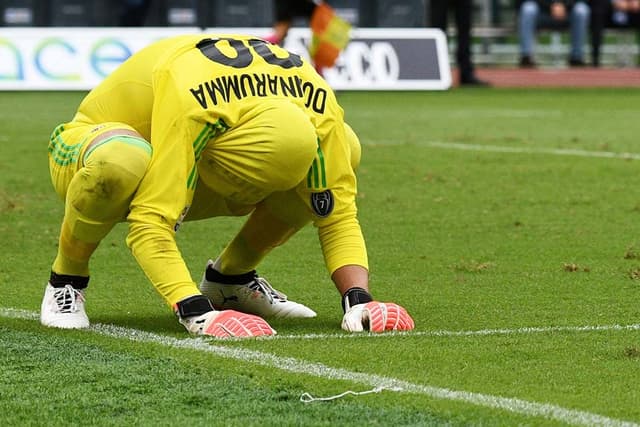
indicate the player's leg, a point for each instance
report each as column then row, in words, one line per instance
column 270, row 225
column 268, row 155
column 97, row 177
column 239, row 287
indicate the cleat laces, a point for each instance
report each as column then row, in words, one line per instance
column 67, row 299
column 264, row 287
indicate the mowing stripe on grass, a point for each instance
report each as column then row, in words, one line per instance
column 444, row 333
column 289, row 364
column 515, row 150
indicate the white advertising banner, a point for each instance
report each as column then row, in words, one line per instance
column 79, row 58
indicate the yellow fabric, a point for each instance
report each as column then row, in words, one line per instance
column 97, row 184
column 191, row 97
column 271, row 150
column 67, row 149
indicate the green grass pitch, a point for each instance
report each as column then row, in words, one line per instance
column 506, row 221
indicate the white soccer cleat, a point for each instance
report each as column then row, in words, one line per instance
column 63, row 308
column 256, row 296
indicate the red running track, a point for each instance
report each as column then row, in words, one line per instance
column 568, row 77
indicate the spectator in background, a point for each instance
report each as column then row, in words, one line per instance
column 330, row 32
column 439, row 10
column 552, row 13
column 133, row 12
column 626, row 12
column 285, row 12
column 611, row 13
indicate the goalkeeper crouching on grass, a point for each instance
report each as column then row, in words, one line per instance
column 200, row 126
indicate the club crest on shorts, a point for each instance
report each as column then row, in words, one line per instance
column 322, row 203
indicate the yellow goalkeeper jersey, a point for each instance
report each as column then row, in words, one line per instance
column 180, row 94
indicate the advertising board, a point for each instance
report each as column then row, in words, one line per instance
column 79, row 58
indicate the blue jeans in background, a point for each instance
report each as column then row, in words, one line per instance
column 531, row 17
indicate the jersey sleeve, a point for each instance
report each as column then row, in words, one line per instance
column 330, row 192
column 164, row 196
column 342, row 241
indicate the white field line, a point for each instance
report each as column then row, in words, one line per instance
column 25, row 314
column 480, row 332
column 514, row 150
column 289, row 364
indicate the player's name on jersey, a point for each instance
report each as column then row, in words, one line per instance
column 238, row 86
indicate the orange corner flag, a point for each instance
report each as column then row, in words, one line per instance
column 330, row 35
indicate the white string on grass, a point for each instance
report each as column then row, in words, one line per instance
column 308, row 398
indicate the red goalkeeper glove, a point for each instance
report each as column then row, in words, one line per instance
column 219, row 324
column 373, row 315
column 231, row 323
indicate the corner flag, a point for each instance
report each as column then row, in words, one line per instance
column 330, row 35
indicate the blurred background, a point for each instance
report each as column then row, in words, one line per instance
column 494, row 23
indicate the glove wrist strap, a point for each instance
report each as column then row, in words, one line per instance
column 194, row 306
column 355, row 296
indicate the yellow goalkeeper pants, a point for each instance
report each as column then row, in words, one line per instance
column 95, row 170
